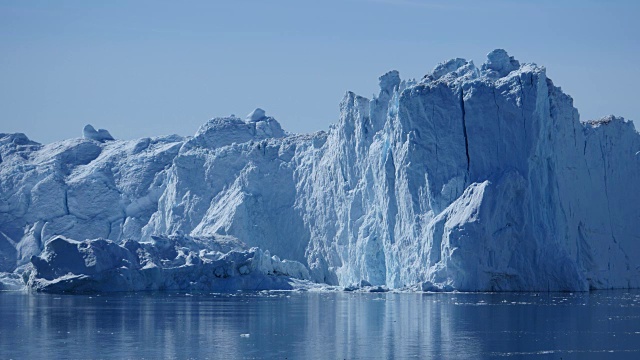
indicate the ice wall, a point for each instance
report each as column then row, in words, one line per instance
column 472, row 178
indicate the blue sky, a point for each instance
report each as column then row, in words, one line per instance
column 144, row 68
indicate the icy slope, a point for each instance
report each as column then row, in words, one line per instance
column 472, row 178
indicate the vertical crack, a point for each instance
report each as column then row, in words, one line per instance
column 495, row 101
column 606, row 188
column 66, row 201
column 464, row 128
column 606, row 193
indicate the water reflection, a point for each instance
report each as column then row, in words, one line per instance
column 320, row 325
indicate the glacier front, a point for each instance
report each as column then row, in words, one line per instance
column 471, row 178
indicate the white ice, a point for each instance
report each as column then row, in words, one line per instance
column 469, row 178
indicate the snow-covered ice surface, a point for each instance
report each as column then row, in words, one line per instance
column 470, row 179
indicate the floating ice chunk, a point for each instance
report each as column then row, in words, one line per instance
column 428, row 286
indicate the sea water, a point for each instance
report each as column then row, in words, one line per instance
column 307, row 325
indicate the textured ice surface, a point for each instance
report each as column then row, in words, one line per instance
column 173, row 263
column 470, row 179
column 89, row 132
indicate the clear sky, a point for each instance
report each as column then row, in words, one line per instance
column 145, row 68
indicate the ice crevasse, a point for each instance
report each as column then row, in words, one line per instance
column 471, row 178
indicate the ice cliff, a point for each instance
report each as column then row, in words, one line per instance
column 471, row 178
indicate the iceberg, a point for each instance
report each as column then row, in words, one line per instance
column 470, row 179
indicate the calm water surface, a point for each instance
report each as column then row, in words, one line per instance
column 298, row 325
